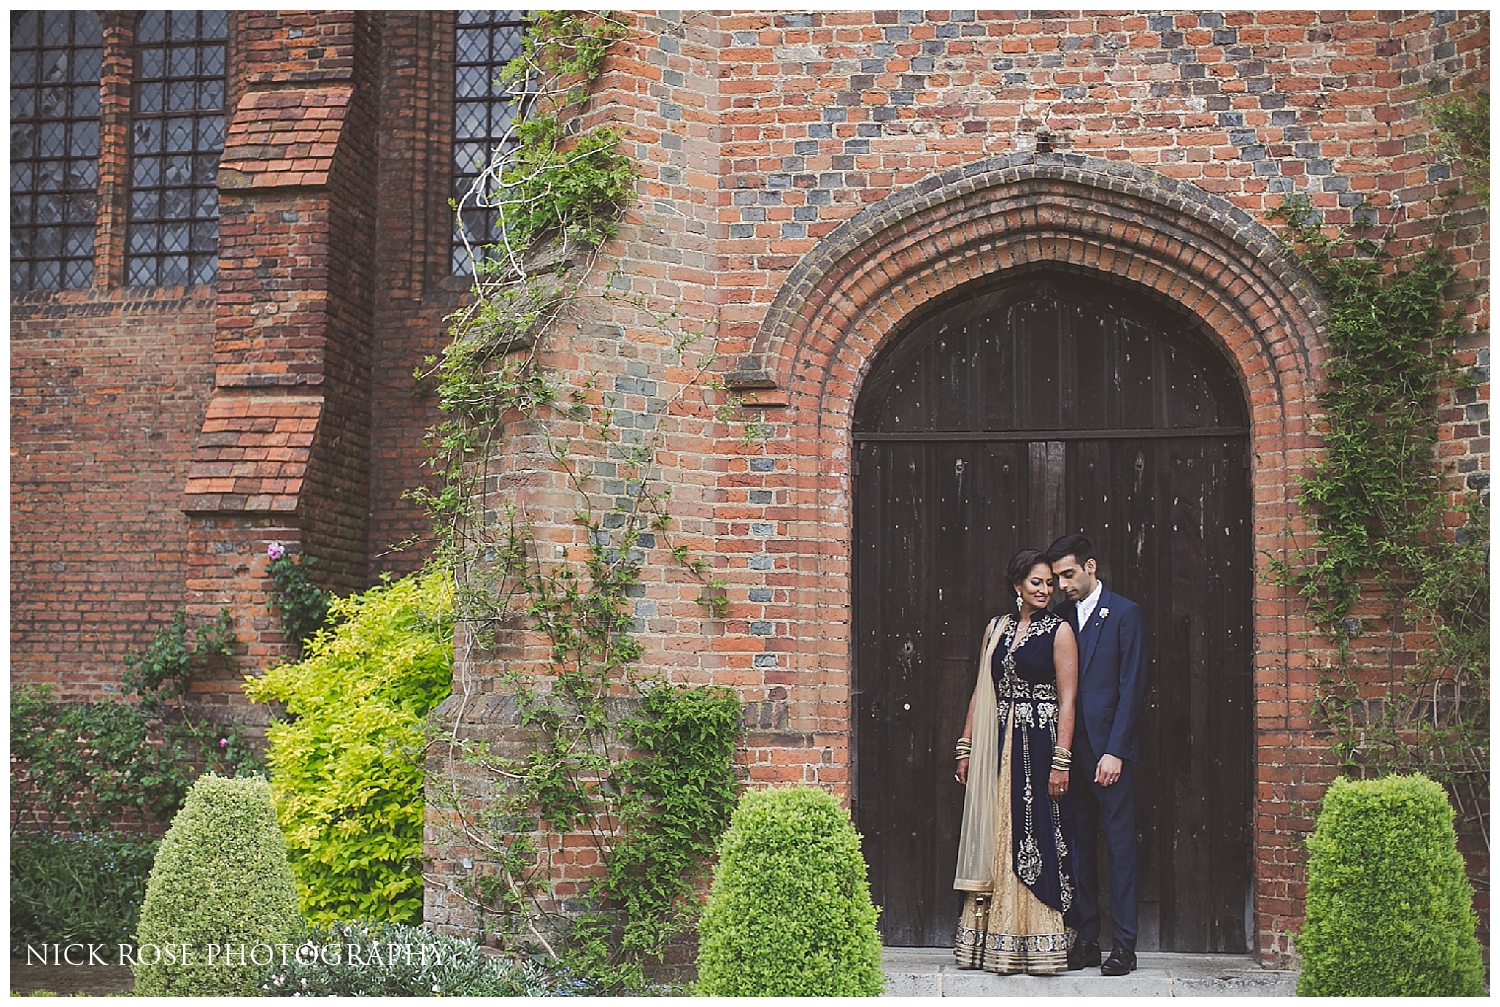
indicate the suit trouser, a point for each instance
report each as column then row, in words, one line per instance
column 1088, row 807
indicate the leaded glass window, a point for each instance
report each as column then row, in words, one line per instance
column 55, row 58
column 177, row 137
column 482, row 113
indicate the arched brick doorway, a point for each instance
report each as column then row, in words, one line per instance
column 1046, row 404
column 866, row 283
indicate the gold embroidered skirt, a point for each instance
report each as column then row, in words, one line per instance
column 1010, row 930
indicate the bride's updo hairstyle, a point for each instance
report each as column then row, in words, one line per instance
column 1020, row 565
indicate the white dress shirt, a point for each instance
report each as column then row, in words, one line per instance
column 1087, row 606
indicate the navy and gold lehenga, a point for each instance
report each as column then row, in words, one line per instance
column 1017, row 926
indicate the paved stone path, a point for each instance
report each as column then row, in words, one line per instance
column 930, row 972
column 70, row 980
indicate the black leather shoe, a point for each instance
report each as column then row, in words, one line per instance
column 1119, row 963
column 1082, row 955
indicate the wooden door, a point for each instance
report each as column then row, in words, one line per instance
column 1001, row 422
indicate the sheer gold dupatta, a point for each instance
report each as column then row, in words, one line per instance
column 976, row 837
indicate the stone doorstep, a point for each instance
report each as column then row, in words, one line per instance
column 930, row 972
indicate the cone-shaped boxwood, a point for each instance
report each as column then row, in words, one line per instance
column 1389, row 911
column 220, row 896
column 790, row 911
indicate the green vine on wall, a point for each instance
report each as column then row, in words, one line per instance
column 640, row 768
column 1462, row 136
column 1385, row 563
column 81, row 767
column 677, row 800
column 302, row 605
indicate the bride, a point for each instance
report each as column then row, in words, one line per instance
column 1014, row 758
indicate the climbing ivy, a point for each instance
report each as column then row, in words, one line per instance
column 680, row 793
column 639, row 768
column 1385, row 563
column 81, row 767
column 1462, row 135
column 303, row 605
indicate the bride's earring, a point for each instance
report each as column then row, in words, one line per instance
column 1018, row 601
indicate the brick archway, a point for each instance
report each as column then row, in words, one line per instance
column 866, row 283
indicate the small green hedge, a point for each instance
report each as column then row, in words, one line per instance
column 347, row 768
column 220, row 889
column 790, row 911
column 1389, row 911
column 76, row 889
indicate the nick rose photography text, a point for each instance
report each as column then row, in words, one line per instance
column 377, row 954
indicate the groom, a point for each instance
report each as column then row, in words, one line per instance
column 1111, row 686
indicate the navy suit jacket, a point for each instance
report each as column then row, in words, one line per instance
column 1111, row 673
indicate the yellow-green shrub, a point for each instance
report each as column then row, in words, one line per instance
column 347, row 768
column 790, row 911
column 1389, row 911
column 220, row 885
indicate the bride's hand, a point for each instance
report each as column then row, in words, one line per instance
column 1057, row 783
column 962, row 775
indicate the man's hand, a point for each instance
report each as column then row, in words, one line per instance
column 963, row 772
column 1109, row 770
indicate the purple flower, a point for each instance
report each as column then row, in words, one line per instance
column 223, row 742
column 275, row 550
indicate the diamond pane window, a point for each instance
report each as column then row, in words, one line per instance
column 55, row 57
column 176, row 139
column 482, row 112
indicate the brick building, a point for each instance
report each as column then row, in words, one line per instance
column 231, row 246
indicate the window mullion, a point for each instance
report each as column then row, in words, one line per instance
column 114, row 148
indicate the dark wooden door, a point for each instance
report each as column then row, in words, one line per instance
column 1000, row 422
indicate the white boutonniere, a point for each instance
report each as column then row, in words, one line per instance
column 1104, row 613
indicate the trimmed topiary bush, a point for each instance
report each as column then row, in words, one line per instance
column 790, row 911
column 1389, row 911
column 347, row 767
column 220, row 895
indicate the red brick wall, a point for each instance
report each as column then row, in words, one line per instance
column 297, row 281
column 284, row 451
column 810, row 180
column 807, row 181
column 107, row 393
column 415, row 288
column 288, row 336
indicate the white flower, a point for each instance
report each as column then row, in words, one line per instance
column 1104, row 613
